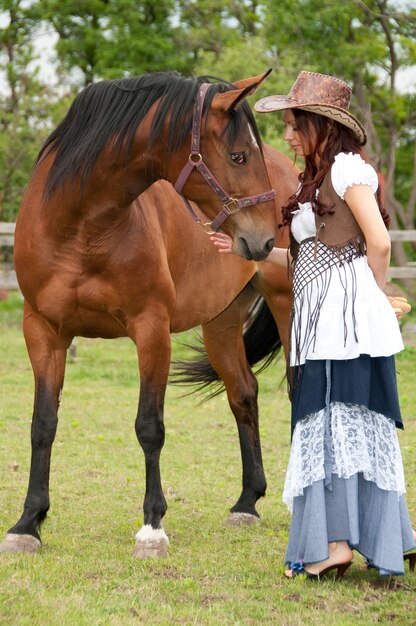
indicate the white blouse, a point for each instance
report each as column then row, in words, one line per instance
column 355, row 316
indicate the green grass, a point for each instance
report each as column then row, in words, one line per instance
column 214, row 574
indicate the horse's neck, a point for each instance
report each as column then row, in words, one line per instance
column 106, row 199
column 121, row 183
column 63, row 218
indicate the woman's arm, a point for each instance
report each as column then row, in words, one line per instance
column 279, row 256
column 361, row 200
column 224, row 243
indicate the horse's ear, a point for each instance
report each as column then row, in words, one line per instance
column 253, row 83
column 245, row 87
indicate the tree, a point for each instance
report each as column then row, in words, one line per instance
column 25, row 104
column 368, row 43
column 215, row 26
column 113, row 38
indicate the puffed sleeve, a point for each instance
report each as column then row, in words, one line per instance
column 350, row 169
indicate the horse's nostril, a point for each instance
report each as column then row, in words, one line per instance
column 245, row 249
column 269, row 245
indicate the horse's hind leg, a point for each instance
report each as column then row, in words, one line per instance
column 47, row 353
column 223, row 338
column 152, row 338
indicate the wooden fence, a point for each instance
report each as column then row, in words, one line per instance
column 409, row 271
column 8, row 276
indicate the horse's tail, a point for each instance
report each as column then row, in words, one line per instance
column 261, row 341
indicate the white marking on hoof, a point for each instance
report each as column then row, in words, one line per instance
column 20, row 543
column 151, row 542
column 242, row 519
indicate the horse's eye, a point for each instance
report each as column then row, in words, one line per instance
column 239, row 157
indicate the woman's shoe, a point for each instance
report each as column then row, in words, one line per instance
column 412, row 560
column 411, row 557
column 297, row 568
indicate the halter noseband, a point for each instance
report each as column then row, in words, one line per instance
column 230, row 205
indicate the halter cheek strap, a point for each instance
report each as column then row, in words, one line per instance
column 195, row 160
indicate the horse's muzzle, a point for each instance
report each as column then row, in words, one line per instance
column 253, row 251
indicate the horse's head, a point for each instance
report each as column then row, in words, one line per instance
column 231, row 185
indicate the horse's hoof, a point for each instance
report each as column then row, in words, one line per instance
column 20, row 543
column 151, row 542
column 242, row 519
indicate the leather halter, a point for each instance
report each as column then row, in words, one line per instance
column 230, row 205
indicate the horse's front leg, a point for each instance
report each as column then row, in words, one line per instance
column 223, row 338
column 152, row 338
column 47, row 353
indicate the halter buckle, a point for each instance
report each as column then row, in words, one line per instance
column 232, row 202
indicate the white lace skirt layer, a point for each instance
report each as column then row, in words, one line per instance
column 354, row 440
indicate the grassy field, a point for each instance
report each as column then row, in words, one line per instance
column 85, row 573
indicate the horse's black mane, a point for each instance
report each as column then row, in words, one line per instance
column 113, row 109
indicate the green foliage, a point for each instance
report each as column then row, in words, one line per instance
column 26, row 104
column 404, row 165
column 208, row 27
column 113, row 38
column 24, row 130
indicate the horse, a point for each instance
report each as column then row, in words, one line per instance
column 95, row 258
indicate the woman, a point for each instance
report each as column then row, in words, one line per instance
column 344, row 483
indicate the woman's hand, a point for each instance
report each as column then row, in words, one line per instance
column 222, row 242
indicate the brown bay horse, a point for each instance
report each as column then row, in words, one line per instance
column 93, row 260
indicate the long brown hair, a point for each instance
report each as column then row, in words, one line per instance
column 314, row 130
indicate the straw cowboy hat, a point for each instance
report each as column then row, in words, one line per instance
column 319, row 93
